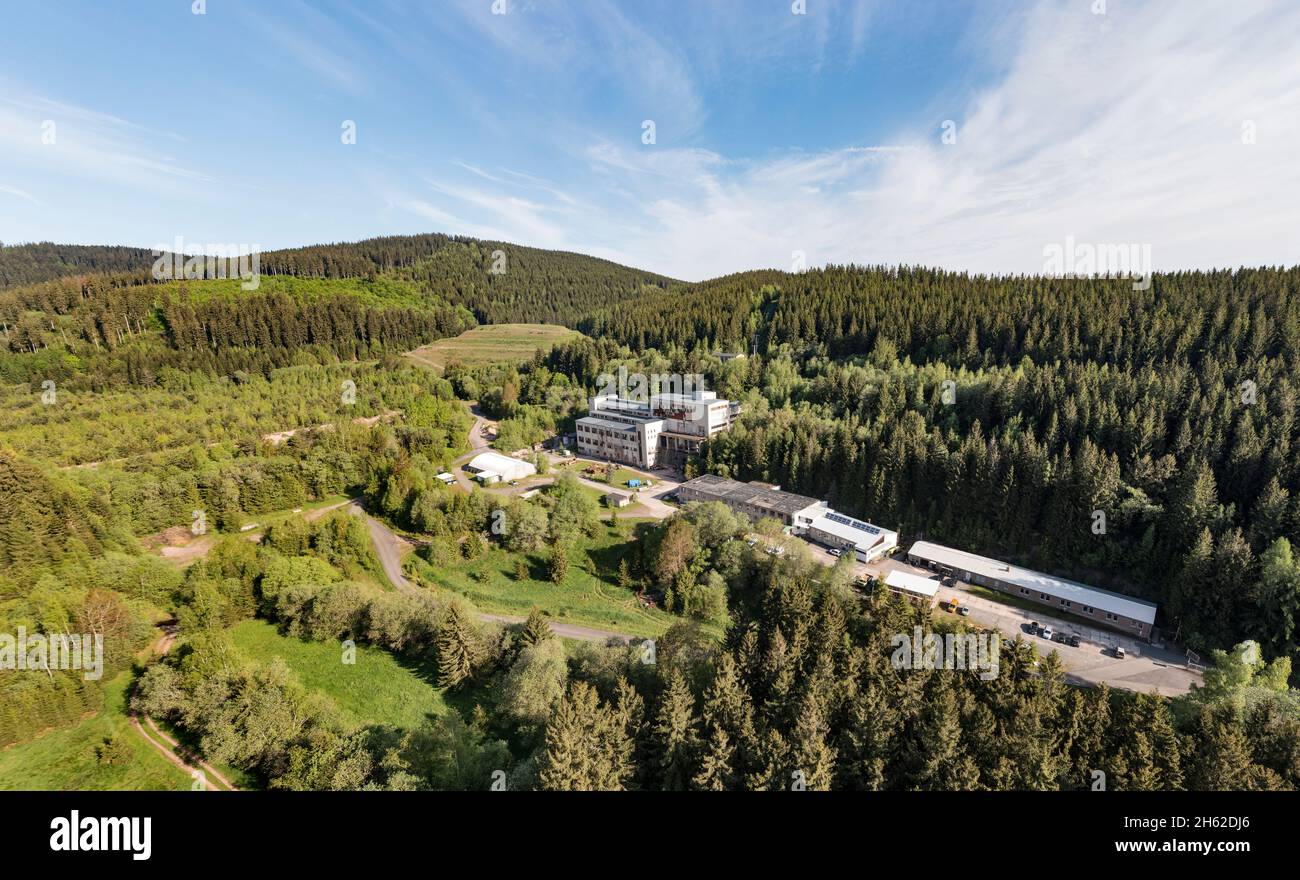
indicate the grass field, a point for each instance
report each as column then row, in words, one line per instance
column 491, row 343
column 377, row 689
column 583, row 598
column 65, row 759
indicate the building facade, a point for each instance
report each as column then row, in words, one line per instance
column 664, row 431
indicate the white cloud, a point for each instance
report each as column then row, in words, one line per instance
column 1123, row 128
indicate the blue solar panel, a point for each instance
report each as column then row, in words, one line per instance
column 854, row 523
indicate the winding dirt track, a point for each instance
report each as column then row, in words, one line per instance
column 164, row 743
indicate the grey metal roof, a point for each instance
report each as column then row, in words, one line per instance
column 1036, row 581
column 724, row 489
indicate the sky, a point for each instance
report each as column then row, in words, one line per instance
column 973, row 136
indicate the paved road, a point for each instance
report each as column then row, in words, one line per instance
column 649, row 499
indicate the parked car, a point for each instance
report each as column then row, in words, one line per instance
column 835, row 551
column 1046, row 633
column 1119, row 652
column 963, row 610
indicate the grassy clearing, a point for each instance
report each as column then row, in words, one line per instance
column 65, row 759
column 374, row 292
column 585, row 598
column 377, row 689
column 491, row 343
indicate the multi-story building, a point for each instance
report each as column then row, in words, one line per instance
column 663, row 431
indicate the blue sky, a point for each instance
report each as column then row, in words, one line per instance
column 776, row 134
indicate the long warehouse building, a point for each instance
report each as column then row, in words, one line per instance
column 755, row 500
column 1113, row 610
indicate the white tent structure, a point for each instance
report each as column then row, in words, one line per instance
column 487, row 464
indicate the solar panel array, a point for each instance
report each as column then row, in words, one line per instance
column 854, row 523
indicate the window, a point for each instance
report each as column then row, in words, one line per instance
column 1044, row 597
column 1110, row 616
column 1024, row 592
column 1088, row 609
column 1065, row 603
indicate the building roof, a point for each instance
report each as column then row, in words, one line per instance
column 502, row 465
column 911, row 583
column 863, row 534
column 610, row 424
column 753, row 494
column 1057, row 588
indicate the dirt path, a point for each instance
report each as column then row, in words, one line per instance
column 390, row 546
column 566, row 630
column 478, row 442
column 164, row 743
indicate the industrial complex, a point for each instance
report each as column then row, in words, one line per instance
column 815, row 520
column 801, row 514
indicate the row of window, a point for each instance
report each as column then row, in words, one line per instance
column 1066, row 603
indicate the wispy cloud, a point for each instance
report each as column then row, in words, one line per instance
column 18, row 193
column 1132, row 127
column 41, row 134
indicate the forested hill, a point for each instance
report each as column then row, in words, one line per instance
column 931, row 314
column 43, row 261
column 497, row 281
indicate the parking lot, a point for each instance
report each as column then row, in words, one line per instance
column 1145, row 668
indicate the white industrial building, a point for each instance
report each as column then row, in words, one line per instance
column 492, row 467
column 913, row 586
column 839, row 530
column 666, row 430
column 1134, row 616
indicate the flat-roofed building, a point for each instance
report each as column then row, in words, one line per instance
column 913, row 586
column 865, row 541
column 755, row 500
column 1113, row 610
column 631, row 441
